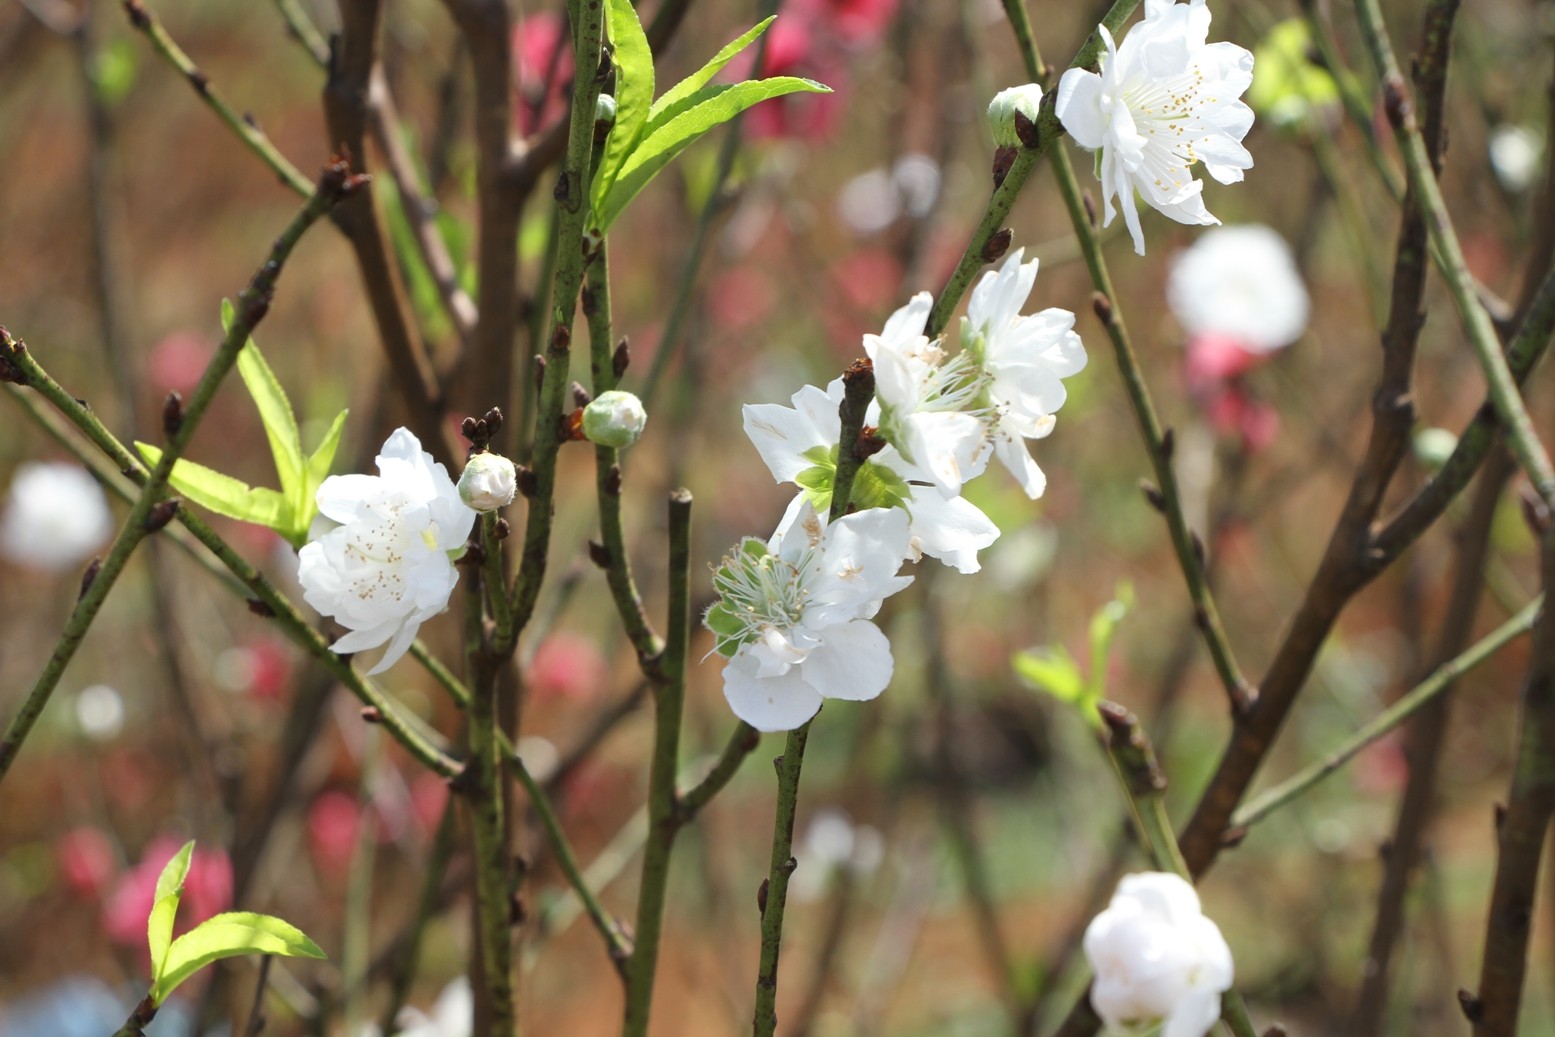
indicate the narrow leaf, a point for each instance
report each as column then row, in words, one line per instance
column 223, row 494
column 1104, row 628
column 675, row 98
column 227, row 936
column 164, row 905
column 322, row 458
column 634, row 91
column 712, row 106
column 1052, row 671
column 275, row 411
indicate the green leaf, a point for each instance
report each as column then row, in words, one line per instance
column 223, row 494
column 275, row 412
column 634, row 92
column 113, row 70
column 228, row 936
column 1287, row 85
column 317, row 471
column 1050, row 670
column 675, row 98
column 709, row 107
column 1104, row 627
column 164, row 905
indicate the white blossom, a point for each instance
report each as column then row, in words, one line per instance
column 1022, row 361
column 1514, row 155
column 55, row 516
column 1164, row 100
column 488, row 482
column 923, row 399
column 1157, row 958
column 380, row 556
column 1240, row 282
column 794, row 615
column 799, row 445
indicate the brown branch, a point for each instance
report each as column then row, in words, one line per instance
column 346, row 110
column 1346, row 566
column 483, row 376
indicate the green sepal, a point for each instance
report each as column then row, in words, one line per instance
column 227, row 936
column 728, row 631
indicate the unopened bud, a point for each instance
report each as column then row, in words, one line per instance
column 1006, row 104
column 615, row 419
column 604, row 111
column 488, row 483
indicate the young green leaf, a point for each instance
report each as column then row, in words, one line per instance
column 318, row 468
column 1050, row 670
column 164, row 905
column 275, row 413
column 1104, row 628
column 676, row 97
column 226, row 936
column 225, row 495
column 709, row 107
column 633, row 94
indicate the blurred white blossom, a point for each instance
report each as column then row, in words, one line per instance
column 100, row 712
column 55, row 516
column 1164, row 100
column 793, row 615
column 1240, row 282
column 1515, row 152
column 831, row 843
column 1157, row 958
column 380, row 556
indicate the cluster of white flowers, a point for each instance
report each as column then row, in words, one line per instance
column 55, row 516
column 794, row 612
column 1163, row 100
column 1158, row 960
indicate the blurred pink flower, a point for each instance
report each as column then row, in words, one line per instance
column 740, row 298
column 207, row 891
column 538, row 41
column 1214, row 370
column 567, row 666
column 858, row 23
column 86, row 860
column 334, row 821
column 807, row 117
column 866, row 283
column 178, row 361
column 428, row 797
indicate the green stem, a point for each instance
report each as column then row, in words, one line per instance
column 481, row 782
column 496, row 581
column 617, row 943
column 741, row 744
column 1390, row 718
column 135, row 1025
column 573, row 214
column 404, row 969
column 151, row 512
column 664, row 814
column 1157, row 443
column 266, row 598
column 607, row 474
column 774, row 890
column 306, row 33
column 1521, row 439
column 149, row 26
column 1144, row 787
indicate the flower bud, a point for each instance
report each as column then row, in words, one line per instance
column 488, row 483
column 615, row 419
column 1027, row 100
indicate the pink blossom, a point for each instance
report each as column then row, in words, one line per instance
column 542, row 66
column 86, row 859
column 334, row 821
column 807, row 117
column 858, row 23
column 567, row 666
column 178, row 360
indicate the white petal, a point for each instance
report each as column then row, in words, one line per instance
column 1194, row 1014
column 1079, row 107
column 854, row 662
column 781, row 435
column 768, row 703
column 952, row 530
column 1014, row 456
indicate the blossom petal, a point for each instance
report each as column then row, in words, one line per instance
column 854, row 662
column 779, row 703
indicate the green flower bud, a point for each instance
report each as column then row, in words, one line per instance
column 1025, row 100
column 488, row 483
column 615, row 419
